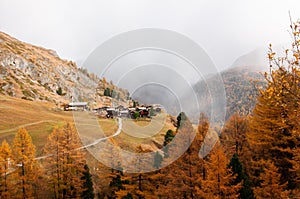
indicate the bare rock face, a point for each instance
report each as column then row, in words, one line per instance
column 36, row 73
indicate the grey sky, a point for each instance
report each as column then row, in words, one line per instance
column 225, row 29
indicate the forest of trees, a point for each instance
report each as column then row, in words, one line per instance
column 255, row 156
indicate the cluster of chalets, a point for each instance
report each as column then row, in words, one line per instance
column 130, row 112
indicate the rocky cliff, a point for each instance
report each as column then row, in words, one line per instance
column 36, row 73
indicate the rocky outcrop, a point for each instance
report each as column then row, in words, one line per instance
column 36, row 73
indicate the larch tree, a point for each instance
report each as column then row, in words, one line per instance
column 64, row 165
column 5, row 168
column 274, row 126
column 233, row 136
column 220, row 178
column 296, row 170
column 23, row 153
column 270, row 186
column 181, row 177
column 203, row 129
column 111, row 167
column 138, row 184
column 236, row 145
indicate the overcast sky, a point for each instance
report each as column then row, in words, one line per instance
column 225, row 29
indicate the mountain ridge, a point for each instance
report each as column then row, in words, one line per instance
column 36, row 73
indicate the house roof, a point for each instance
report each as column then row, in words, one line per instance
column 78, row 104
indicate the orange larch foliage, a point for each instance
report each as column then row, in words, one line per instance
column 65, row 165
column 26, row 169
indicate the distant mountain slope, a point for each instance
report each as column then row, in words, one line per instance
column 257, row 58
column 240, row 86
column 36, row 73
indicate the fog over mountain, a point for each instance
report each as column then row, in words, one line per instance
column 238, row 83
column 257, row 59
column 225, row 29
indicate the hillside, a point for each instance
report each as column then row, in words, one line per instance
column 240, row 84
column 38, row 118
column 241, row 89
column 35, row 82
column 39, row 74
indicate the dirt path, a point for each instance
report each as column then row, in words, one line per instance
column 26, row 125
column 83, row 147
column 93, row 143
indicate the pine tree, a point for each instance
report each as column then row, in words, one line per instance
column 168, row 137
column 158, row 158
column 117, row 183
column 270, row 186
column 88, row 188
column 114, row 94
column 5, row 168
column 237, row 168
column 181, row 119
column 65, row 164
column 23, row 154
column 107, row 92
column 59, row 91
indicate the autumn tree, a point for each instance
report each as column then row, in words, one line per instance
column 135, row 182
column 23, row 154
column 270, row 186
column 65, row 163
column 233, row 136
column 236, row 145
column 203, row 129
column 274, row 126
column 219, row 181
column 296, row 170
column 181, row 177
column 135, row 186
column 111, row 168
column 5, row 168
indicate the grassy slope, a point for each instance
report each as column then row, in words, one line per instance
column 39, row 118
column 154, row 132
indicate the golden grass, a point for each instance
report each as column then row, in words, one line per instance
column 109, row 126
column 15, row 112
column 38, row 118
column 131, row 140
